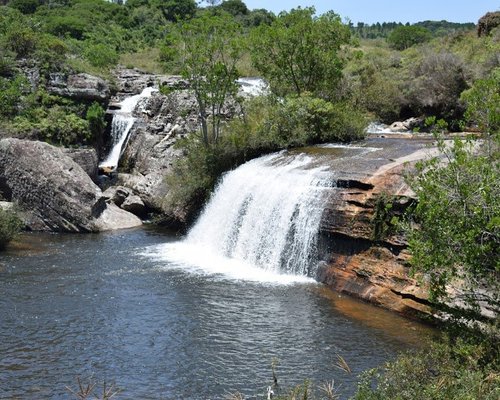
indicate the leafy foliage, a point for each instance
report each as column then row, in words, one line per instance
column 448, row 371
column 210, row 48
column 404, row 37
column 10, row 225
column 458, row 212
column 300, row 53
column 483, row 104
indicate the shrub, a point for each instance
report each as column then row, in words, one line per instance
column 25, row 6
column 458, row 212
column 308, row 120
column 101, row 55
column 404, row 37
column 71, row 26
column 21, row 40
column 446, row 371
column 10, row 226
column 95, row 117
column 54, row 125
column 12, row 92
column 438, row 81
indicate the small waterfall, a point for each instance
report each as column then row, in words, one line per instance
column 261, row 223
column 120, row 127
column 253, row 86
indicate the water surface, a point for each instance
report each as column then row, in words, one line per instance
column 100, row 306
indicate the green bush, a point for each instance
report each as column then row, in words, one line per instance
column 10, row 226
column 304, row 120
column 458, row 212
column 404, row 37
column 95, row 117
column 21, row 40
column 54, row 125
column 101, row 55
column 451, row 371
column 25, row 6
column 12, row 92
column 63, row 26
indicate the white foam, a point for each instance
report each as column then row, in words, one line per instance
column 122, row 123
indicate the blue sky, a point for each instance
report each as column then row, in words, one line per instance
column 371, row 11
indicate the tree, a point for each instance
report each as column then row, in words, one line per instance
column 483, row 105
column 10, row 226
column 458, row 213
column 25, row 6
column 300, row 53
column 210, row 48
column 404, row 37
column 174, row 10
column 487, row 23
column 234, row 7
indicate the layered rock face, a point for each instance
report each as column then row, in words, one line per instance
column 358, row 262
column 55, row 193
column 79, row 86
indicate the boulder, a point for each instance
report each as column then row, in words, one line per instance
column 407, row 125
column 113, row 218
column 79, row 86
column 117, row 194
column 135, row 205
column 55, row 193
column 124, row 198
column 87, row 159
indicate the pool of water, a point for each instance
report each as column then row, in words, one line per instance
column 104, row 307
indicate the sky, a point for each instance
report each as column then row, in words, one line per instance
column 371, row 11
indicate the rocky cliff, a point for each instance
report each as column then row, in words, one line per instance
column 54, row 192
column 162, row 119
column 362, row 258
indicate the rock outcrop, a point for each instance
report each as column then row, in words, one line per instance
column 55, row 193
column 124, row 198
column 79, row 86
column 359, row 261
column 87, row 159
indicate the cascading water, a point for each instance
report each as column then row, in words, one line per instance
column 253, row 86
column 261, row 223
column 120, row 127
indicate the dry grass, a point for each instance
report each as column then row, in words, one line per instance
column 145, row 60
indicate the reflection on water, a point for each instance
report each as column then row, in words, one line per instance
column 96, row 305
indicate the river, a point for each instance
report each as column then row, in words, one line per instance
column 102, row 307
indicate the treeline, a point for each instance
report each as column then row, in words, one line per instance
column 384, row 29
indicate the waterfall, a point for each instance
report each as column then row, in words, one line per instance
column 261, row 223
column 120, row 127
column 252, row 87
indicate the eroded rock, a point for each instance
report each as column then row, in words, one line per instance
column 55, row 193
column 79, row 86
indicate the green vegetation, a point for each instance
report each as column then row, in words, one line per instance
column 383, row 30
column 305, row 107
column 425, row 79
column 458, row 211
column 210, row 48
column 404, row 37
column 10, row 226
column 451, row 370
column 300, row 52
